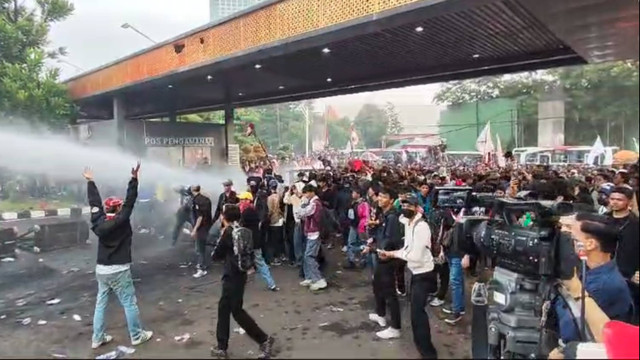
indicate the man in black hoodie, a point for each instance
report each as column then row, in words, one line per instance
column 112, row 225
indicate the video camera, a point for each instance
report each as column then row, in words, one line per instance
column 531, row 255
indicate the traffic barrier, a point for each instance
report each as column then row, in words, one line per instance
column 7, row 243
column 61, row 235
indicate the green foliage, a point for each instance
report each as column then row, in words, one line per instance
column 28, row 89
column 601, row 100
column 371, row 123
column 339, row 132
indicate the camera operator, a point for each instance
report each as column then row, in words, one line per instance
column 604, row 284
column 627, row 251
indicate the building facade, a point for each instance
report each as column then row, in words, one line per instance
column 219, row 9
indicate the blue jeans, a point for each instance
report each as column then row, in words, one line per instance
column 298, row 243
column 311, row 267
column 456, row 281
column 263, row 269
column 353, row 245
column 121, row 284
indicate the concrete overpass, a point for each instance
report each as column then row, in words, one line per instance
column 285, row 50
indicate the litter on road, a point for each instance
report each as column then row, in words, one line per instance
column 26, row 321
column 125, row 349
column 36, row 249
column 239, row 330
column 77, row 317
column 53, row 301
column 21, row 302
column 335, row 309
column 2, row 317
column 8, row 259
column 110, row 355
column 324, row 324
column 42, row 322
column 182, row 338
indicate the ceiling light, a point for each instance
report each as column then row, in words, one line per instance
column 281, row 87
column 326, row 50
column 240, row 94
column 475, row 56
column 419, row 29
column 209, row 77
column 257, row 66
column 170, row 86
column 329, row 79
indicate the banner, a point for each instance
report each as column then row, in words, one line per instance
column 484, row 144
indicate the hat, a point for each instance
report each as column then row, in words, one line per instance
column 245, row 196
column 112, row 202
column 411, row 199
column 227, row 183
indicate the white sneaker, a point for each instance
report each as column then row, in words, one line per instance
column 436, row 302
column 105, row 340
column 388, row 334
column 344, row 249
column 199, row 274
column 144, row 337
column 318, row 285
column 378, row 319
column 306, row 283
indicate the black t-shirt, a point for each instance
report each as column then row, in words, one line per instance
column 628, row 245
column 202, row 207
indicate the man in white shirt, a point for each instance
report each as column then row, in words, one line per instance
column 417, row 253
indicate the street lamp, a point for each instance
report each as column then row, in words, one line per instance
column 129, row 26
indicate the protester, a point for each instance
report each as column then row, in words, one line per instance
column 112, row 226
column 201, row 227
column 234, row 251
column 311, row 212
column 228, row 196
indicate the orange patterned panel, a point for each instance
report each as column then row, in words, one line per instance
column 278, row 21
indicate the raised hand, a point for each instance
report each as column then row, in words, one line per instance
column 135, row 170
column 88, row 174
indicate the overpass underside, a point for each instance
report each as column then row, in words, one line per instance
column 411, row 42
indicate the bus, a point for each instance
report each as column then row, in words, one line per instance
column 563, row 155
column 466, row 156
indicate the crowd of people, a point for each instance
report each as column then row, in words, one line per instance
column 386, row 218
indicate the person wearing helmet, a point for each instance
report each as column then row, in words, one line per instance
column 111, row 223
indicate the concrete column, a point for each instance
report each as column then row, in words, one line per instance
column 551, row 115
column 228, row 129
column 119, row 115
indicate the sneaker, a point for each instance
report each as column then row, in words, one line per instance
column 453, row 319
column 274, row 288
column 436, row 302
column 449, row 310
column 330, row 246
column 276, row 262
column 105, row 340
column 200, row 273
column 378, row 319
column 400, row 293
column 318, row 285
column 306, row 283
column 266, row 348
column 344, row 249
column 219, row 354
column 144, row 337
column 388, row 334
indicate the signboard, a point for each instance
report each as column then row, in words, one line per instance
column 178, row 141
column 234, row 154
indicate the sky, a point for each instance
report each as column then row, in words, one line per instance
column 93, row 36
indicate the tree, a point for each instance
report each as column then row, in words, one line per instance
column 339, row 132
column 395, row 126
column 600, row 99
column 371, row 123
column 28, row 89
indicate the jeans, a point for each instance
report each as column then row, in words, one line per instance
column 456, row 279
column 353, row 245
column 421, row 286
column 384, row 291
column 201, row 248
column 263, row 269
column 311, row 267
column 298, row 243
column 231, row 304
column 121, row 284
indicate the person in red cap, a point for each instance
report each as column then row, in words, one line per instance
column 112, row 224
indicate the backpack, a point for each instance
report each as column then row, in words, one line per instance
column 327, row 224
column 243, row 247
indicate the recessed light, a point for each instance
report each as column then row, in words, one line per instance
column 240, row 94
column 170, row 86
column 329, row 79
column 419, row 29
column 475, row 56
column 257, row 66
column 326, row 50
column 281, row 87
column 209, row 77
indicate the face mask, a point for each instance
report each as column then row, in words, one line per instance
column 408, row 213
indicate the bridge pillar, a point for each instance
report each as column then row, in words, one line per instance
column 228, row 129
column 119, row 115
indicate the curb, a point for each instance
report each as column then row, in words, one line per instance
column 39, row 214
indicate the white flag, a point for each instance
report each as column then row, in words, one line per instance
column 484, row 144
column 499, row 155
column 635, row 144
column 596, row 150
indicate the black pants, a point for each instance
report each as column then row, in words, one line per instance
column 384, row 290
column 288, row 242
column 399, row 274
column 442, row 273
column 202, row 235
column 231, row 304
column 181, row 218
column 275, row 243
column 421, row 287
